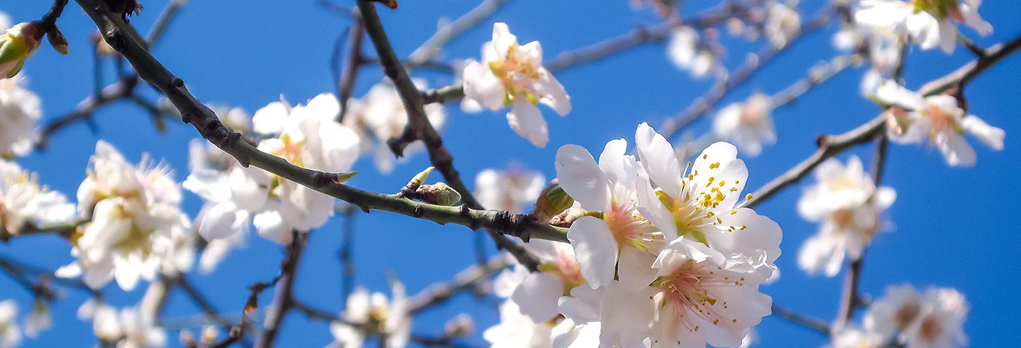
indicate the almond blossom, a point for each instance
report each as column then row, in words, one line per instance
column 304, row 135
column 380, row 115
column 782, row 23
column 536, row 293
column 129, row 328
column 611, row 315
column 938, row 121
column 850, row 336
column 615, row 240
column 23, row 203
column 933, row 319
column 683, row 50
column 849, row 205
column 374, row 316
column 508, row 190
column 136, row 221
column 517, row 330
column 512, row 75
column 698, row 208
column 748, row 125
column 20, row 109
column 928, row 22
column 10, row 333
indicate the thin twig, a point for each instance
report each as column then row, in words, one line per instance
column 464, row 280
column 284, row 300
column 814, row 324
column 349, row 73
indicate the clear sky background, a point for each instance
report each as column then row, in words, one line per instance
column 954, row 227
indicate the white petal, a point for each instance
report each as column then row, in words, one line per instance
column 482, row 86
column 991, row 136
column 270, row 225
column 581, row 178
column 538, row 294
column 653, row 209
column 526, row 120
column 502, row 38
column 635, row 268
column 552, row 93
column 595, row 249
column 270, row 119
column 956, row 150
column 219, row 221
column 659, row 159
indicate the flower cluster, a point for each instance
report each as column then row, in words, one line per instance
column 685, row 52
column 929, row 22
column 372, row 315
column 512, row 75
column 848, row 205
column 137, row 226
column 748, row 125
column 20, row 109
column 24, row 204
column 907, row 318
column 678, row 264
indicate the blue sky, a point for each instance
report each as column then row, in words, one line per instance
column 952, row 226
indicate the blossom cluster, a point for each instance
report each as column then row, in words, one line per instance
column 909, row 318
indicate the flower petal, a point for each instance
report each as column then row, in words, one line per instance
column 595, row 249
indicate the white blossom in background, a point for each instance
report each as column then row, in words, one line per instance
column 23, row 202
column 620, row 242
column 697, row 208
column 516, row 330
column 10, row 333
column 376, row 316
column 304, row 135
column 5, row 21
column 129, row 328
column 536, row 293
column 38, row 320
column 933, row 319
column 927, row 22
column 782, row 22
column 684, row 52
column 610, row 316
column 938, row 121
column 512, row 75
column 20, row 109
column 136, row 222
column 748, row 125
column 848, row 205
column 380, row 115
column 508, row 190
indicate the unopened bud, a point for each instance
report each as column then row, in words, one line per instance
column 17, row 45
column 567, row 217
column 210, row 334
column 58, row 41
column 438, row 193
column 420, row 178
column 551, row 202
column 460, row 326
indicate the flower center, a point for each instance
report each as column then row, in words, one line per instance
column 517, row 75
column 627, row 225
column 690, row 292
column 291, row 151
column 930, row 330
column 906, row 314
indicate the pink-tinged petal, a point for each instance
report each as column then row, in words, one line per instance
column 635, row 268
column 526, row 120
column 653, row 209
column 595, row 249
column 581, row 178
column 956, row 150
column 538, row 294
column 270, row 119
column 482, row 86
column 989, row 135
column 659, row 159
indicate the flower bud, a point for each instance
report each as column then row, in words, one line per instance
column 16, row 46
column 438, row 193
column 551, row 202
column 58, row 41
column 460, row 326
column 420, row 178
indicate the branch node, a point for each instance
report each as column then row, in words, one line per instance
column 419, row 211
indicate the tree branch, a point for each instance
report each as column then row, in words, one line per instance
column 284, row 300
column 804, row 321
column 464, row 280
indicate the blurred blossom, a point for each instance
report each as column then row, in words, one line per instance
column 10, row 333
column 517, row 330
column 782, row 23
column 508, row 190
column 38, row 320
column 683, row 50
column 927, row 22
column 374, row 317
column 20, row 109
column 932, row 319
column 380, row 115
column 24, row 203
column 748, row 125
column 129, row 328
column 512, row 75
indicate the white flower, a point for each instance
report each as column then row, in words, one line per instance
column 130, row 328
column 10, row 333
column 381, row 115
column 928, row 22
column 20, row 109
column 933, row 319
column 849, row 205
column 939, row 121
column 748, row 125
column 850, row 336
column 508, row 190
column 23, row 202
column 235, row 118
column 620, row 241
column 536, row 293
column 376, row 317
column 513, row 75
column 231, row 192
column 38, row 320
column 306, row 136
column 137, row 224
column 621, row 317
column 684, row 52
column 697, row 208
column 517, row 330
column 700, row 300
column 782, row 23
